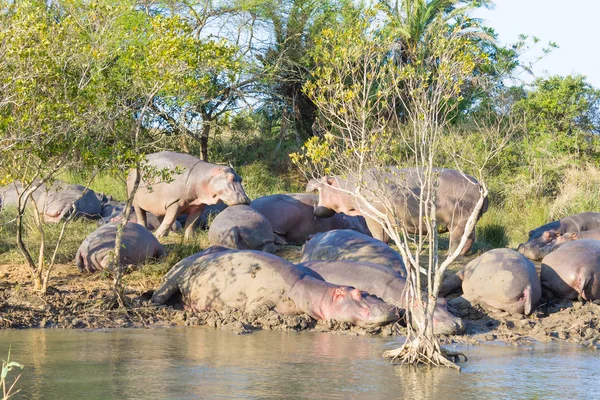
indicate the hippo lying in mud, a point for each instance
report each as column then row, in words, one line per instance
column 545, row 234
column 138, row 245
column 551, row 240
column 58, row 200
column 386, row 284
column 573, row 271
column 248, row 280
column 199, row 185
column 291, row 216
column 456, row 197
column 501, row 278
column 349, row 245
column 243, row 228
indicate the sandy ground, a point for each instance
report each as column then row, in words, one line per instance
column 77, row 301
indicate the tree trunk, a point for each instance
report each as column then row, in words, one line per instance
column 204, row 140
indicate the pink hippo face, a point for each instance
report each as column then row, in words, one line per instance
column 359, row 308
column 226, row 185
column 335, row 195
column 538, row 248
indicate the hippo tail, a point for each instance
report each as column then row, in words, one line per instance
column 80, row 261
column 528, row 305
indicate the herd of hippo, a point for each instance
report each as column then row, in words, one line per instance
column 347, row 271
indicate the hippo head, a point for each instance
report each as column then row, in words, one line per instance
column 226, row 185
column 334, row 197
column 348, row 304
column 444, row 323
column 567, row 237
column 538, row 248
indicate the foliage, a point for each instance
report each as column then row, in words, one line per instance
column 8, row 366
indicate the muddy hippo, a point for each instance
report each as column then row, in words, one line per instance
column 573, row 270
column 346, row 244
column 138, row 242
column 291, row 216
column 501, row 278
column 456, row 197
column 545, row 234
column 200, row 184
column 243, row 228
column 58, row 200
column 248, row 280
column 386, row 284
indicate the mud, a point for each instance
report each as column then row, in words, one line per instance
column 77, row 301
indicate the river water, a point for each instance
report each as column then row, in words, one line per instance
column 191, row 363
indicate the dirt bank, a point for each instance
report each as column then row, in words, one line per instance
column 76, row 301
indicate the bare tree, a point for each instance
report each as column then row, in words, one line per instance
column 380, row 114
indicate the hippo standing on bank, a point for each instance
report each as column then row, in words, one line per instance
column 291, row 216
column 457, row 195
column 138, row 245
column 345, row 244
column 501, row 278
column 243, row 228
column 248, row 280
column 188, row 193
column 573, row 271
column 545, row 234
column 386, row 284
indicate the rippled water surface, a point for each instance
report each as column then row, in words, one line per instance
column 191, row 363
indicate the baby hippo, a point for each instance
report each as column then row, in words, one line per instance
column 502, row 279
column 138, row 245
column 243, row 228
column 349, row 245
column 573, row 270
column 386, row 284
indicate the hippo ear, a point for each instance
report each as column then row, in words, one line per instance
column 217, row 171
column 339, row 292
column 328, row 180
column 312, row 185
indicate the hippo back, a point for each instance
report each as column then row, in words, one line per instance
column 241, row 227
column 573, row 270
column 345, row 244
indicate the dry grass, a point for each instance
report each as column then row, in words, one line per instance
column 579, row 192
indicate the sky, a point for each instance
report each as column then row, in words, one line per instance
column 574, row 25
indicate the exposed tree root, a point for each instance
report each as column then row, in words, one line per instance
column 422, row 351
column 116, row 301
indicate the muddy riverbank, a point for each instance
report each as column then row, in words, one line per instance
column 76, row 301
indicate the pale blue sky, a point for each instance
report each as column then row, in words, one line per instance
column 574, row 25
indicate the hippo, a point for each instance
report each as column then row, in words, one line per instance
column 249, row 279
column 457, row 195
column 573, row 271
column 545, row 234
column 138, row 242
column 501, row 278
column 291, row 216
column 209, row 214
column 346, row 244
column 189, row 192
column 551, row 240
column 58, row 200
column 113, row 212
column 243, row 228
column 386, row 284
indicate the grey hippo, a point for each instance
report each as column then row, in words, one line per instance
column 457, row 195
column 249, row 279
column 573, row 271
column 386, row 284
column 200, row 184
column 138, row 246
column 345, row 244
column 500, row 278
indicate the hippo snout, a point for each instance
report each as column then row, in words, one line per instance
column 323, row 212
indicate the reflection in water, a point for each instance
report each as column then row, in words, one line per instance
column 190, row 363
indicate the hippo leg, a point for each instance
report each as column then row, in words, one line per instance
column 190, row 221
column 279, row 240
column 141, row 216
column 165, row 226
column 455, row 237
